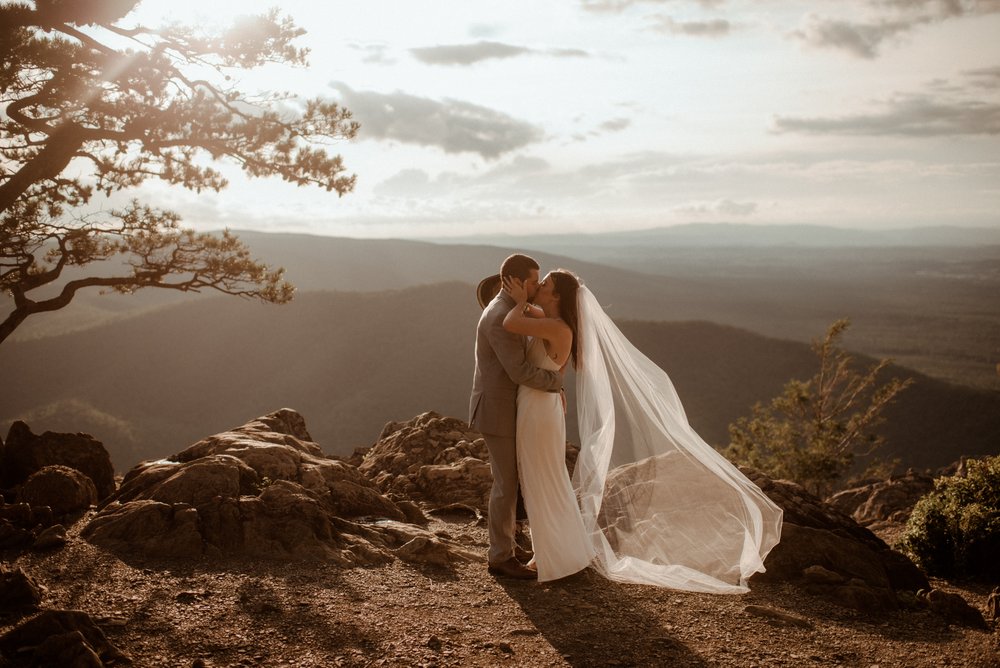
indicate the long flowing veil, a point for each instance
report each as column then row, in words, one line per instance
column 662, row 507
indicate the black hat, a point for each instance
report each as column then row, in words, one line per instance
column 488, row 289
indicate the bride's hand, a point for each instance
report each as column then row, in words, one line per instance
column 515, row 289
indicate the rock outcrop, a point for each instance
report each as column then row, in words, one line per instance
column 953, row 608
column 61, row 638
column 433, row 459
column 889, row 500
column 61, row 488
column 24, row 453
column 829, row 554
column 18, row 591
column 993, row 606
column 263, row 490
column 20, row 523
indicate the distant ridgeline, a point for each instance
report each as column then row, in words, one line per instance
column 349, row 362
column 924, row 297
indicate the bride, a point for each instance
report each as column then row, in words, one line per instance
column 650, row 501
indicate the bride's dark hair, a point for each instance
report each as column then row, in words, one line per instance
column 566, row 285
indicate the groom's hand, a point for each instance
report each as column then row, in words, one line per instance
column 515, row 288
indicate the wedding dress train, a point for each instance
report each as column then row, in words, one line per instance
column 660, row 505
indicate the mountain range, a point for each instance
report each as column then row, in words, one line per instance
column 703, row 235
column 153, row 383
column 934, row 309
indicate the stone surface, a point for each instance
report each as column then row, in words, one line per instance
column 24, row 453
column 18, row 591
column 25, row 516
column 13, row 536
column 883, row 500
column 778, row 616
column 993, row 606
column 820, row 575
column 260, row 490
column 51, row 538
column 19, row 523
column 61, row 638
column 61, row 488
column 819, row 544
column 953, row 608
column 435, row 460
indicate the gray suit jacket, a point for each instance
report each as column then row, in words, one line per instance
column 501, row 365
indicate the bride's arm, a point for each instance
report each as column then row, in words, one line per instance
column 532, row 311
column 530, row 320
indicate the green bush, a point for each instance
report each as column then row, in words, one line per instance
column 954, row 531
column 816, row 430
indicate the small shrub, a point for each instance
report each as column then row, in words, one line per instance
column 954, row 531
column 815, row 431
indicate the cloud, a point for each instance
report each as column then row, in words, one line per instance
column 607, row 127
column 713, row 28
column 907, row 116
column 468, row 54
column 987, row 77
column 375, row 54
column 723, row 207
column 618, row 6
column 503, row 179
column 521, row 165
column 405, row 183
column 860, row 39
column 485, row 29
column 892, row 18
column 943, row 8
column 454, row 126
column 615, row 124
column 566, row 53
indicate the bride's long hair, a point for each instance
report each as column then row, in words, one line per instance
column 567, row 285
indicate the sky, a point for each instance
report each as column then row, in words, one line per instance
column 593, row 115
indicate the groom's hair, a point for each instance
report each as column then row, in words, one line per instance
column 518, row 266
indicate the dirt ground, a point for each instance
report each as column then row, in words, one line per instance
column 258, row 613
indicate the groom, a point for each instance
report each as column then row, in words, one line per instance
column 501, row 365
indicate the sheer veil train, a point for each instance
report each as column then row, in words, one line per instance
column 662, row 507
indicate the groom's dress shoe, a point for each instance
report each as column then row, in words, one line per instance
column 512, row 568
column 523, row 555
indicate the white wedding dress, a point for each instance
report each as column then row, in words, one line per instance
column 650, row 502
column 561, row 543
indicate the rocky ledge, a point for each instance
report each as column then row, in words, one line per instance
column 263, row 490
column 266, row 491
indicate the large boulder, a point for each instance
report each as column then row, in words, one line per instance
column 60, row 638
column 18, row 591
column 61, row 488
column 889, row 500
column 25, row 453
column 829, row 554
column 261, row 490
column 433, row 459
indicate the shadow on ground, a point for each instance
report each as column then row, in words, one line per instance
column 592, row 621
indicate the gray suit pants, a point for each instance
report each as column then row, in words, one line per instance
column 503, row 497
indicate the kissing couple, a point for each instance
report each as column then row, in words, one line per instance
column 649, row 501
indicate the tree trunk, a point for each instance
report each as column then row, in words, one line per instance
column 60, row 148
column 8, row 326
